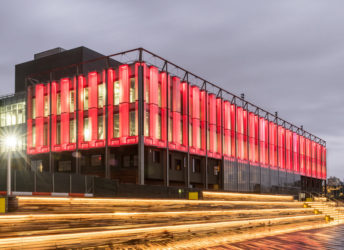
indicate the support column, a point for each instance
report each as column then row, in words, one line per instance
column 188, row 131
column 77, row 154
column 222, row 170
column 167, row 158
column 141, row 159
column 51, row 156
column 206, row 137
column 107, row 151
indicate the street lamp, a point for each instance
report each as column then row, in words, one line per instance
column 10, row 142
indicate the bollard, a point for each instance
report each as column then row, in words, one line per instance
column 193, row 195
column 3, row 205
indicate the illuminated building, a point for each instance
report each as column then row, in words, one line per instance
column 140, row 123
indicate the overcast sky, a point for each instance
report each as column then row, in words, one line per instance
column 286, row 56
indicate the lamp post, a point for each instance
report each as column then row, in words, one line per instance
column 11, row 141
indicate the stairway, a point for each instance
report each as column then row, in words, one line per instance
column 48, row 223
column 327, row 208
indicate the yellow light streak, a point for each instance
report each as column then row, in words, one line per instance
column 247, row 195
column 56, row 240
column 117, row 215
column 121, row 201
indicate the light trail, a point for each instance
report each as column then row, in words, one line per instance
column 247, row 196
column 114, row 215
column 119, row 201
column 84, row 237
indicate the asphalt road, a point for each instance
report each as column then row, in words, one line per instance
column 324, row 238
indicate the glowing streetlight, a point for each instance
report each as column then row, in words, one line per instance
column 10, row 142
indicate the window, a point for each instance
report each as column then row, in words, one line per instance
column 8, row 115
column 126, row 161
column 71, row 101
column 33, row 108
column 208, row 138
column 181, row 132
column 146, row 123
column 116, row 125
column 170, row 129
column 96, row 160
column 215, row 142
column 58, row 104
column 64, row 166
column 101, row 95
column 87, row 132
column 159, row 126
column 21, row 113
column 196, row 165
column 159, row 95
column 181, row 102
column 190, row 135
column 46, row 105
column 135, row 160
column 2, row 117
column 132, row 90
column 116, row 91
column 37, row 166
column 170, row 161
column 156, row 156
column 200, row 138
column 72, row 131
column 86, row 98
column 100, row 127
column 14, row 114
column 216, row 170
column 132, row 123
column 147, row 90
column 33, row 136
column 45, row 134
column 58, row 133
column 129, row 160
column 171, row 97
column 178, row 164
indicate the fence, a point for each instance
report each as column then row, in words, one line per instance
column 45, row 182
column 24, row 181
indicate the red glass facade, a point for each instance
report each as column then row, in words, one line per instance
column 187, row 117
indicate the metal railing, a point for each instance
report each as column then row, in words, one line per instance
column 44, row 182
column 334, row 204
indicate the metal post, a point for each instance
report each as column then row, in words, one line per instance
column 9, row 173
column 222, row 143
column 167, row 165
column 269, row 160
column 247, row 139
column 299, row 157
column 236, row 141
column 141, row 156
column 26, row 116
column 51, row 160
column 107, row 165
column 277, row 157
column 206, row 136
column 77, row 156
column 292, row 155
column 188, row 131
column 259, row 158
column 285, row 154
